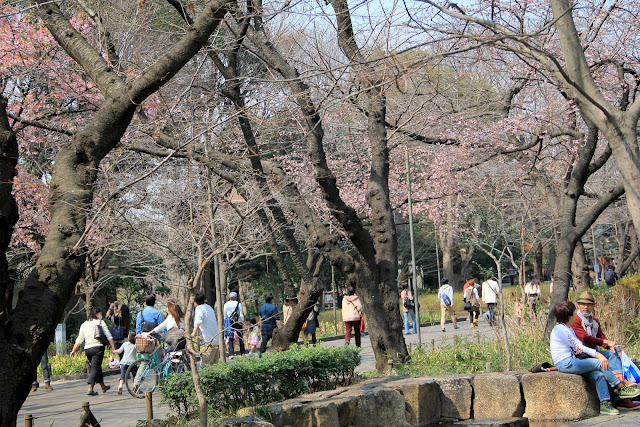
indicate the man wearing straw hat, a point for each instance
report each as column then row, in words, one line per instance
column 588, row 330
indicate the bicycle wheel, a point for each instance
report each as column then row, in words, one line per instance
column 141, row 378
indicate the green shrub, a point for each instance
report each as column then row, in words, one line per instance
column 67, row 365
column 258, row 381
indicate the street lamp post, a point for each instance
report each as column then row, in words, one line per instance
column 413, row 252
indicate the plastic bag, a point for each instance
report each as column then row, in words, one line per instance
column 114, row 363
column 630, row 370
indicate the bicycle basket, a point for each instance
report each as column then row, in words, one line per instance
column 145, row 344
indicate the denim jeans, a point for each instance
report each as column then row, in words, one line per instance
column 590, row 366
column 615, row 364
column 411, row 312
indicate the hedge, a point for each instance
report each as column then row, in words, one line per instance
column 251, row 381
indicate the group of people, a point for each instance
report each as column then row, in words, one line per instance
column 579, row 346
column 472, row 299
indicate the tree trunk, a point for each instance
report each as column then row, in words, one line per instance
column 27, row 330
column 551, row 256
column 537, row 260
column 581, row 279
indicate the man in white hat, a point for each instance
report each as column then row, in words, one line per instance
column 233, row 311
column 588, row 330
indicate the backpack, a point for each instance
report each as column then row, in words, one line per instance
column 445, row 300
column 408, row 303
column 610, row 277
column 235, row 316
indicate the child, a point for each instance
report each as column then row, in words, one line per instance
column 254, row 337
column 128, row 351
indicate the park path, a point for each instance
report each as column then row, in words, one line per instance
column 62, row 406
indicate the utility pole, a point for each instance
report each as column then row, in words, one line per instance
column 413, row 251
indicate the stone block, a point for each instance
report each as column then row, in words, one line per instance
column 503, row 422
column 496, row 395
column 245, row 421
column 455, row 396
column 559, row 396
column 422, row 399
column 379, row 406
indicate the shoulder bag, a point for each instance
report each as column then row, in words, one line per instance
column 100, row 335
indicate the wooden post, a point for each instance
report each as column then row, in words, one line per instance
column 488, row 366
column 433, row 344
column 478, row 338
column 28, row 420
column 149, row 400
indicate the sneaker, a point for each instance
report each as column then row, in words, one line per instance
column 627, row 404
column 120, row 390
column 443, row 330
column 628, row 392
column 105, row 388
column 607, row 409
column 456, row 327
column 92, row 393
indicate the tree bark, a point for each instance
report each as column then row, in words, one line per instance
column 27, row 331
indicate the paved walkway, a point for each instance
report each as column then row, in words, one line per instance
column 62, row 406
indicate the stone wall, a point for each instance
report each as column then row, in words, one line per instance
column 401, row 402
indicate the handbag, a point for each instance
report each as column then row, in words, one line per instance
column 100, row 335
column 467, row 306
column 145, row 344
column 119, row 333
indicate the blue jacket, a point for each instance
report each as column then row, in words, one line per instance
column 269, row 315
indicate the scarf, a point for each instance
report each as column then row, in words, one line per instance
column 588, row 323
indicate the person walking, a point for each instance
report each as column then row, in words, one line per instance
column 533, row 290
column 232, row 310
column 204, row 320
column 351, row 314
column 408, row 309
column 311, row 324
column 46, row 374
column 128, row 352
column 445, row 296
column 270, row 321
column 490, row 292
column 94, row 346
column 149, row 317
column 472, row 305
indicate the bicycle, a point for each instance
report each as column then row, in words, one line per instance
column 144, row 375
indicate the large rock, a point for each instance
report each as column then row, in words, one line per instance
column 496, row 395
column 378, row 406
column 455, row 396
column 422, row 399
column 246, row 421
column 558, row 396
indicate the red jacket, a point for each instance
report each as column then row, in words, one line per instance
column 583, row 336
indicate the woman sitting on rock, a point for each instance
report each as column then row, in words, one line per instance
column 564, row 348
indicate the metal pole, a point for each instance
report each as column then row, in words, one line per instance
column 413, row 252
column 437, row 257
column 335, row 300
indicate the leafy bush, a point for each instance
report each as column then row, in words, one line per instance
column 257, row 381
column 67, row 365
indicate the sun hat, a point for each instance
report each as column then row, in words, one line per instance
column 586, row 297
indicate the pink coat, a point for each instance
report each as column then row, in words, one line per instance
column 351, row 308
